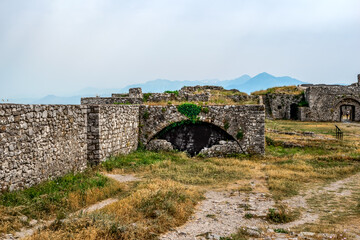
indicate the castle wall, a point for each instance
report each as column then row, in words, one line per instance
column 278, row 105
column 249, row 119
column 110, row 100
column 325, row 101
column 118, row 130
column 40, row 142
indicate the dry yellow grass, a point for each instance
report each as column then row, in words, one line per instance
column 77, row 200
column 280, row 90
column 167, row 197
column 153, row 208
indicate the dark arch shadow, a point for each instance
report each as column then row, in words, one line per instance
column 193, row 137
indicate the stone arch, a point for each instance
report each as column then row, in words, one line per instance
column 353, row 105
column 193, row 137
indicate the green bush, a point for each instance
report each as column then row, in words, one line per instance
column 303, row 103
column 280, row 215
column 190, row 110
column 240, row 135
column 226, row 125
column 146, row 115
column 176, row 92
column 146, row 96
column 205, row 109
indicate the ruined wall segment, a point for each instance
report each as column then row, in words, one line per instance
column 325, row 101
column 247, row 119
column 112, row 130
column 39, row 142
column 110, row 100
column 278, row 106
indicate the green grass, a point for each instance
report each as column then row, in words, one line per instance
column 181, row 168
column 139, row 158
column 50, row 198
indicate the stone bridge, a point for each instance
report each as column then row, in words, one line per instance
column 244, row 123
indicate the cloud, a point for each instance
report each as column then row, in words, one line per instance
column 59, row 46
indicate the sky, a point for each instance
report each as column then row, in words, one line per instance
column 61, row 46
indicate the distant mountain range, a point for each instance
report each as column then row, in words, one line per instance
column 244, row 83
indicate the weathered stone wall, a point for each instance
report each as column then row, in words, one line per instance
column 162, row 97
column 325, row 101
column 40, row 142
column 110, row 100
column 112, row 130
column 278, row 105
column 248, row 119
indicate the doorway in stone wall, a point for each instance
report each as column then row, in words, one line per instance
column 294, row 108
column 347, row 113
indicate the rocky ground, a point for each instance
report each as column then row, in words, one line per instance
column 224, row 212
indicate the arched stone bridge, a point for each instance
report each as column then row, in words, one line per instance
column 247, row 119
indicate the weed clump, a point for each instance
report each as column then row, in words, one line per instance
column 281, row 215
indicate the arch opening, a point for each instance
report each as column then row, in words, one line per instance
column 193, row 137
column 347, row 113
column 294, row 109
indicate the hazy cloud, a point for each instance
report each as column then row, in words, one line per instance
column 60, row 46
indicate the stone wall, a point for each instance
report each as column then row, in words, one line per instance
column 40, row 142
column 248, row 119
column 325, row 101
column 110, row 100
column 119, row 128
column 112, row 130
column 278, row 106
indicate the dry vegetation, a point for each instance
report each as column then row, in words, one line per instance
column 217, row 97
column 280, row 90
column 172, row 184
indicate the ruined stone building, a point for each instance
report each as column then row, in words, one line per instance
column 316, row 102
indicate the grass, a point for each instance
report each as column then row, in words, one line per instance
column 281, row 215
column 152, row 208
column 217, row 97
column 54, row 198
column 280, row 90
column 179, row 167
column 172, row 184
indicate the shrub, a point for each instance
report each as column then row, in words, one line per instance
column 146, row 96
column 190, row 110
column 240, row 135
column 226, row 125
column 280, row 215
column 146, row 115
column 303, row 103
column 176, row 92
column 205, row 109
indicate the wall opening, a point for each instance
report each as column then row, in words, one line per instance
column 347, row 113
column 294, row 109
column 193, row 137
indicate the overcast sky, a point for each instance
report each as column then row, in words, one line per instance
column 61, row 46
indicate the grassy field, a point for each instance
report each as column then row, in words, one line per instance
column 172, row 184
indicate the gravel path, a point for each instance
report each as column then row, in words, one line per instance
column 222, row 213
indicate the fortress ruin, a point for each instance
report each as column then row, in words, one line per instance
column 39, row 142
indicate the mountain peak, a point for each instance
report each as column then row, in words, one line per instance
column 264, row 74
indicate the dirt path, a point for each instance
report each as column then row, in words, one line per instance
column 222, row 213
column 41, row 224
